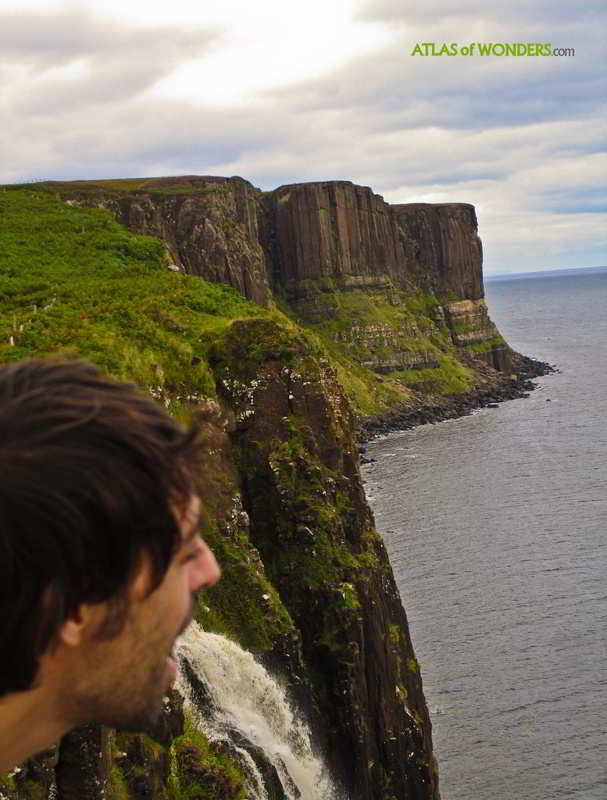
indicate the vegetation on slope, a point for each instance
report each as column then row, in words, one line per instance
column 74, row 281
column 367, row 331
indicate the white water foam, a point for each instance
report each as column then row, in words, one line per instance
column 247, row 700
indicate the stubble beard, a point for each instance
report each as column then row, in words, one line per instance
column 128, row 704
column 121, row 689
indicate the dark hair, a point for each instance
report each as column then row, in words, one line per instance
column 91, row 473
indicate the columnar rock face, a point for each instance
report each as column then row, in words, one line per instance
column 442, row 251
column 346, row 232
column 334, row 230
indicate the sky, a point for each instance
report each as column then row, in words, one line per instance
column 282, row 92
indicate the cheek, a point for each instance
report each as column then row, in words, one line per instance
column 182, row 594
column 174, row 602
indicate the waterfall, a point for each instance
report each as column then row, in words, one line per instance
column 244, row 705
column 52, row 789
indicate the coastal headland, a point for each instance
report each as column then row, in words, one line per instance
column 294, row 323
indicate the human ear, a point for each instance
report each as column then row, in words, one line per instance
column 71, row 630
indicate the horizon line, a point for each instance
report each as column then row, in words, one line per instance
column 550, row 270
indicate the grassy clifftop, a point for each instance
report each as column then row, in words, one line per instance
column 73, row 280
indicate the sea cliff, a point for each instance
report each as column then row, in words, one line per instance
column 344, row 314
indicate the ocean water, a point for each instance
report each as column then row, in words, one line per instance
column 496, row 528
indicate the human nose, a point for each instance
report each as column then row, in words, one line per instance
column 205, row 569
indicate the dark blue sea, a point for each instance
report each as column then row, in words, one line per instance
column 496, row 528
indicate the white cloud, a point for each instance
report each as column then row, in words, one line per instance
column 31, row 5
column 280, row 93
column 286, row 43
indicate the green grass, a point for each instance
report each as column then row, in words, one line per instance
column 450, row 377
column 7, row 784
column 484, row 347
column 73, row 281
column 409, row 330
column 128, row 185
column 118, row 789
column 349, row 595
column 116, row 184
column 198, row 771
column 244, row 605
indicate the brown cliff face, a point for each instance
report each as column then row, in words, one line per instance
column 346, row 232
column 310, row 521
column 333, row 230
column 442, row 251
column 307, row 583
column 209, row 225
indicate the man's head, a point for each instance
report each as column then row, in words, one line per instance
column 99, row 552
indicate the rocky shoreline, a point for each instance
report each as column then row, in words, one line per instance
column 453, row 406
